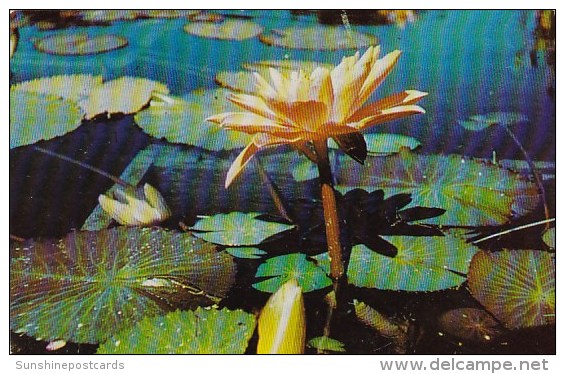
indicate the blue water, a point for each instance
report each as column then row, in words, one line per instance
column 470, row 62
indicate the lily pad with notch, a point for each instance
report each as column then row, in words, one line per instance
column 296, row 266
column 87, row 285
column 237, row 229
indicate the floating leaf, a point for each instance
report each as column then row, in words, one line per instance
column 294, row 266
column 79, row 44
column 86, row 286
column 517, row 287
column 324, row 343
column 183, row 121
column 246, row 252
column 422, row 263
column 240, row 81
column 285, row 65
column 123, row 95
column 70, row 87
column 548, row 237
column 482, row 121
column 470, row 324
column 472, row 192
column 282, row 322
column 385, row 144
column 230, row 29
column 112, row 15
column 35, row 117
column 237, row 228
column 186, row 332
column 318, row 37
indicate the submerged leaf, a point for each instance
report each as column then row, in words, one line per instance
column 482, row 121
column 246, row 252
column 35, row 117
column 517, row 287
column 230, row 29
column 473, row 193
column 183, row 120
column 421, row 264
column 79, row 44
column 397, row 331
column 281, row 269
column 201, row 331
column 323, row 343
column 123, row 95
column 88, row 285
column 236, row 228
column 282, row 322
column 470, row 324
column 318, row 37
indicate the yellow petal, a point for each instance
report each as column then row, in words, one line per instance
column 378, row 73
column 401, row 98
column 253, row 104
column 157, row 202
column 321, row 88
column 387, row 115
column 263, row 88
column 250, row 123
column 307, row 115
column 282, row 322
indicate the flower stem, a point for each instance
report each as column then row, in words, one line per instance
column 534, row 171
column 331, row 218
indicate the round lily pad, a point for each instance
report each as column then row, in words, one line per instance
column 35, row 117
column 295, row 266
column 181, row 120
column 122, row 95
column 470, row 324
column 70, row 87
column 517, row 287
column 88, row 285
column 318, row 37
column 236, row 228
column 79, row 44
column 422, row 263
column 230, row 29
column 186, row 332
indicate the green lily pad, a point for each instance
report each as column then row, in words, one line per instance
column 70, row 87
column 183, row 120
column 236, row 228
column 470, row 324
column 35, row 117
column 285, row 65
column 123, row 95
column 79, row 44
column 472, row 192
column 422, row 263
column 517, row 287
column 186, row 332
column 482, row 121
column 318, row 37
column 385, row 144
column 324, row 343
column 246, row 252
column 230, row 29
column 88, row 285
column 281, row 269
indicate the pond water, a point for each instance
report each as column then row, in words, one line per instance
column 469, row 62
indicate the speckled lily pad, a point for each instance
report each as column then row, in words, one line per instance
column 79, row 44
column 319, row 37
column 229, row 29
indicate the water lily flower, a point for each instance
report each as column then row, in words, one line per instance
column 136, row 208
column 296, row 108
column 282, row 322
